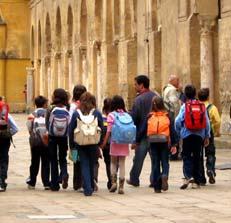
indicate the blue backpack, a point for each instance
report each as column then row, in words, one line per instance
column 123, row 130
column 58, row 122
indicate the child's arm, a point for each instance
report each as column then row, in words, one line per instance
column 105, row 140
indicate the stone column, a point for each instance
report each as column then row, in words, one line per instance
column 70, row 71
column 206, row 57
column 30, row 89
column 83, row 64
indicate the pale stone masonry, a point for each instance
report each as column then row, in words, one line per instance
column 104, row 44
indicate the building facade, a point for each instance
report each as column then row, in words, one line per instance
column 14, row 51
column 104, row 44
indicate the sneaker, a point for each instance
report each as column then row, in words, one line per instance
column 195, row 186
column 65, row 182
column 132, row 184
column 211, row 177
column 30, row 187
column 47, row 188
column 2, row 189
column 164, row 184
column 186, row 183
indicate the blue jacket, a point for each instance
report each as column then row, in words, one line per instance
column 74, row 122
column 183, row 132
column 140, row 110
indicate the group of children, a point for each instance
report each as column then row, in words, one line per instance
column 80, row 126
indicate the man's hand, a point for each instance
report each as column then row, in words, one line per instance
column 173, row 150
column 206, row 142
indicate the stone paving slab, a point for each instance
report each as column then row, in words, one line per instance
column 209, row 204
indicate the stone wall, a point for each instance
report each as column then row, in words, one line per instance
column 14, row 51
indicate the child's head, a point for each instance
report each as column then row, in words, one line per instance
column 78, row 90
column 203, row 94
column 40, row 102
column 190, row 92
column 107, row 105
column 117, row 103
column 60, row 97
column 158, row 104
column 87, row 102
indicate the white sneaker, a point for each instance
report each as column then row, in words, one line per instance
column 2, row 189
column 195, row 186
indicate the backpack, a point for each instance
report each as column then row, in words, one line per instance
column 38, row 131
column 4, row 121
column 158, row 129
column 59, row 122
column 87, row 131
column 195, row 115
column 123, row 130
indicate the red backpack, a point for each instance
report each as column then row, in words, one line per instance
column 4, row 119
column 195, row 115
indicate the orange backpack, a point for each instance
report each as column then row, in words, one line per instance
column 158, row 124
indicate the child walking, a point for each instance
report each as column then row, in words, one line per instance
column 106, row 151
column 160, row 137
column 39, row 150
column 57, row 122
column 118, row 151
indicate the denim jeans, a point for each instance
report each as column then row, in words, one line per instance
column 4, row 160
column 191, row 155
column 138, row 160
column 160, row 157
column 210, row 152
column 58, row 152
column 37, row 154
column 87, row 161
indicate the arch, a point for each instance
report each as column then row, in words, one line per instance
column 154, row 14
column 128, row 20
column 32, row 44
column 83, row 23
column 70, row 27
column 39, row 41
column 116, row 19
column 58, row 30
column 48, row 34
column 98, row 19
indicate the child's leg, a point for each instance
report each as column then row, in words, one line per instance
column 34, row 167
column 45, row 170
column 4, row 162
column 156, row 156
column 63, row 147
column 164, row 150
column 122, row 174
column 77, row 176
column 113, row 173
column 107, row 161
column 52, row 148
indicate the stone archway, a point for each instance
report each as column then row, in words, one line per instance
column 48, row 45
column 58, row 45
column 83, row 64
column 69, row 79
column 39, row 76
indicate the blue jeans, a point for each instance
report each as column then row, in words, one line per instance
column 57, row 147
column 191, row 155
column 4, row 160
column 138, row 160
column 87, row 161
column 160, row 156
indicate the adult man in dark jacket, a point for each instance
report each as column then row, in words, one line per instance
column 140, row 110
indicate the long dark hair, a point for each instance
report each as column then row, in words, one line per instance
column 107, row 106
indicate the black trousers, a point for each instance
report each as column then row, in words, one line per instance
column 4, row 160
column 37, row 154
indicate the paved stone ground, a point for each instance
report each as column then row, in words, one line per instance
column 211, row 203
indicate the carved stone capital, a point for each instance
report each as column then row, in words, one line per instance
column 58, row 55
column 47, row 60
column 39, row 62
column 83, row 51
column 69, row 53
column 207, row 23
column 97, row 45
